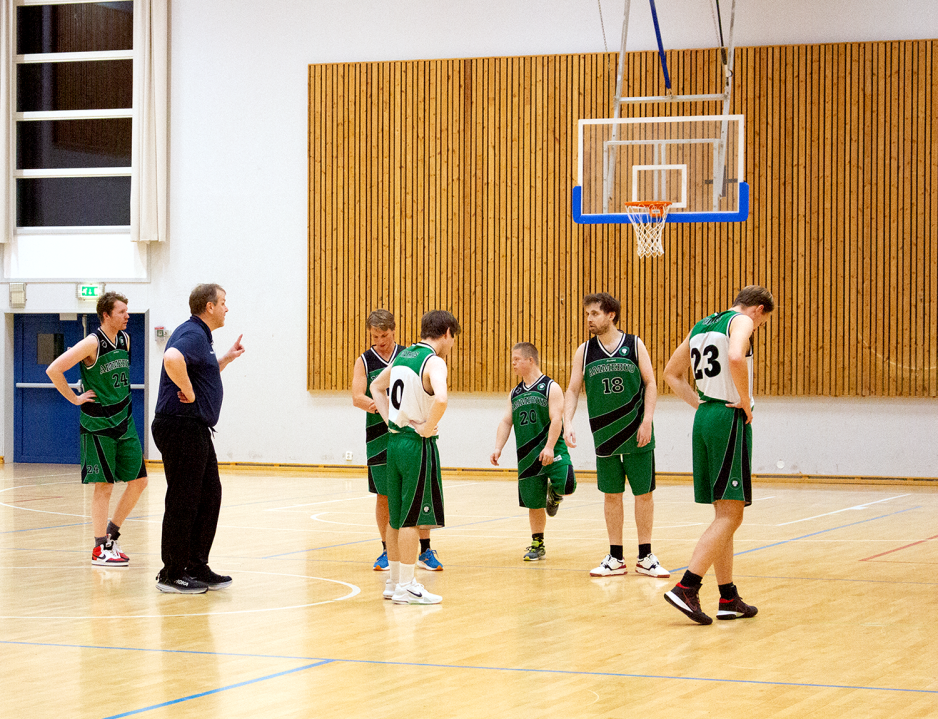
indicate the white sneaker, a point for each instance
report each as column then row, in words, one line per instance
column 414, row 593
column 389, row 589
column 650, row 567
column 610, row 567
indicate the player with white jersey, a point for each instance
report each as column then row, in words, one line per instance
column 411, row 396
column 718, row 351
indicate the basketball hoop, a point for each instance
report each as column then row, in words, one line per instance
column 648, row 219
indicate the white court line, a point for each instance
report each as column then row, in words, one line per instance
column 759, row 499
column 318, row 518
column 313, row 504
column 348, row 499
column 354, row 591
column 40, row 511
column 845, row 509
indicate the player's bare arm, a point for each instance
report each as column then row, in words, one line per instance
column 741, row 329
column 175, row 364
column 573, row 395
column 555, row 408
column 501, row 435
column 675, row 374
column 360, row 386
column 651, row 393
column 86, row 350
column 379, row 390
column 435, row 374
column 237, row 349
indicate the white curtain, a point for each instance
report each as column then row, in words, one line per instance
column 150, row 153
column 7, row 153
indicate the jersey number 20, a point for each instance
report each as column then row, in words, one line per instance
column 397, row 393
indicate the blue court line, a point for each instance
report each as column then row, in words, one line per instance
column 220, row 689
column 318, row 661
column 40, row 529
column 814, row 534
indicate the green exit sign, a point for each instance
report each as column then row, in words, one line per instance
column 90, row 290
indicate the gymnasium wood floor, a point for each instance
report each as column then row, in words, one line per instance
column 844, row 578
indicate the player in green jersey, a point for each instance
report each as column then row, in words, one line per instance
column 545, row 472
column 621, row 392
column 110, row 447
column 384, row 348
column 411, row 396
column 718, row 350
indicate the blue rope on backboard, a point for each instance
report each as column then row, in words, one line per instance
column 664, row 62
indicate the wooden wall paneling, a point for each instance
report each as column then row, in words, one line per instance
column 449, row 186
column 835, row 156
column 919, row 380
column 886, row 226
column 905, row 242
column 929, row 217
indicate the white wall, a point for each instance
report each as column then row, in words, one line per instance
column 238, row 212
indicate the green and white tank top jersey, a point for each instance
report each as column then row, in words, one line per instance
column 709, row 353
column 109, row 377
column 410, row 402
column 376, row 431
column 615, row 396
column 530, row 415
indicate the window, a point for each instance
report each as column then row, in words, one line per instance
column 72, row 120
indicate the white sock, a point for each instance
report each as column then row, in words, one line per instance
column 407, row 573
column 395, row 572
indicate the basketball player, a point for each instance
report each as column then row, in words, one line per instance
column 545, row 472
column 719, row 352
column 417, row 400
column 616, row 371
column 370, row 363
column 110, row 447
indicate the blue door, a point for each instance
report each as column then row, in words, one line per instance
column 45, row 423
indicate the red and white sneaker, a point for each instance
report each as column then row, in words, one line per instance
column 116, row 548
column 105, row 555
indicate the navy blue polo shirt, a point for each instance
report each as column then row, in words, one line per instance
column 193, row 339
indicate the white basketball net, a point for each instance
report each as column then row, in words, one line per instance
column 648, row 221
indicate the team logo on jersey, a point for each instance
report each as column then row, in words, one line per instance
column 426, row 508
column 625, row 350
column 541, row 386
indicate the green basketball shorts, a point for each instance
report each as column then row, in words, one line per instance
column 414, row 484
column 378, row 479
column 532, row 491
column 639, row 469
column 105, row 459
column 722, row 454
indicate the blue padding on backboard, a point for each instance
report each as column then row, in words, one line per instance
column 622, row 218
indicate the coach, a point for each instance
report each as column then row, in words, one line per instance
column 187, row 410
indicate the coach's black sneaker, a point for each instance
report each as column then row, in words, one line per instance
column 553, row 502
column 735, row 609
column 686, row 600
column 213, row 581
column 181, row 585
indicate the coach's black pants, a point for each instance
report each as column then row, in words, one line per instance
column 193, row 493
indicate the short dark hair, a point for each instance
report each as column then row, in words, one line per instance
column 201, row 296
column 528, row 350
column 381, row 320
column 106, row 302
column 753, row 296
column 435, row 323
column 607, row 303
